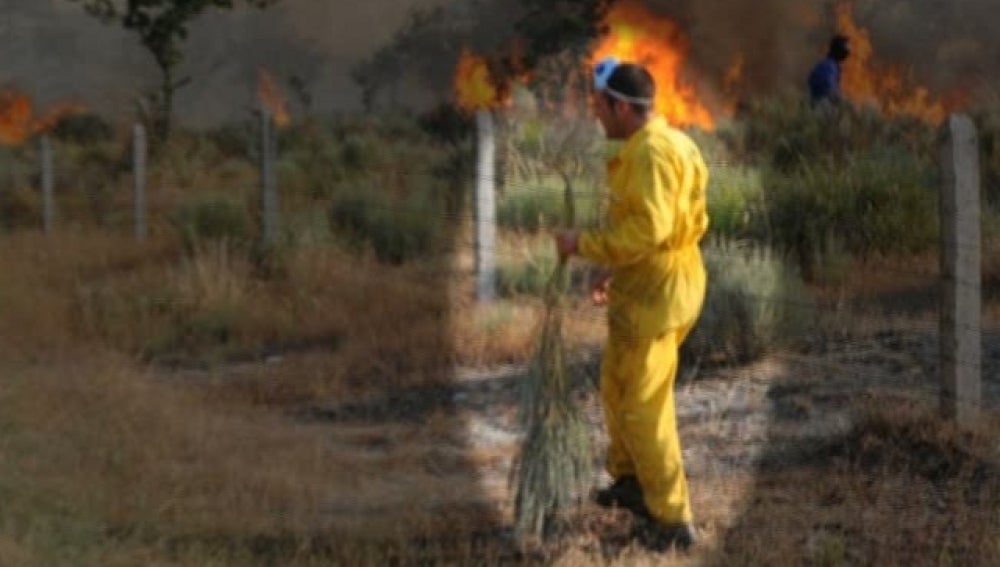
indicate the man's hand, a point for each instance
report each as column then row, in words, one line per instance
column 566, row 243
column 599, row 291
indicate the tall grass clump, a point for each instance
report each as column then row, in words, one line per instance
column 834, row 185
column 987, row 118
column 527, row 268
column 755, row 303
column 880, row 203
column 212, row 217
column 212, row 291
column 20, row 205
column 385, row 185
column 781, row 131
column 529, row 207
column 735, row 203
column 396, row 230
column 539, row 204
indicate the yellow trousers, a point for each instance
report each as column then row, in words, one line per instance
column 637, row 388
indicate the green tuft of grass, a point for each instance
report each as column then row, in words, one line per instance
column 755, row 302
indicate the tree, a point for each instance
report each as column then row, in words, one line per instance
column 551, row 27
column 542, row 29
column 162, row 26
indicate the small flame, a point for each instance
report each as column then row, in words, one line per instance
column 734, row 74
column 272, row 99
column 637, row 35
column 884, row 86
column 473, row 84
column 732, row 85
column 18, row 121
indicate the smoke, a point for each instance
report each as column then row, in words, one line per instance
column 946, row 45
column 950, row 44
column 776, row 40
column 55, row 52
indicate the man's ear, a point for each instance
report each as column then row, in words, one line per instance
column 621, row 107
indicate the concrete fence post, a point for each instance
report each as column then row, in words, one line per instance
column 268, row 189
column 485, row 207
column 48, row 184
column 139, row 152
column 961, row 347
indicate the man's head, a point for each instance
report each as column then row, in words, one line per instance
column 840, row 48
column 624, row 97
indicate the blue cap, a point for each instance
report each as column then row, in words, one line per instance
column 602, row 74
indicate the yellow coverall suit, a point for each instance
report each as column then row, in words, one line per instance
column 657, row 215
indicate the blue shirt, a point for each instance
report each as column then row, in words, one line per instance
column 824, row 81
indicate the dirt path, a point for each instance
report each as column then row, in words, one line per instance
column 733, row 419
column 447, row 448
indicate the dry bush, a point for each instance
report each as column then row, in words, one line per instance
column 901, row 487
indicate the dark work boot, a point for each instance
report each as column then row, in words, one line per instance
column 624, row 492
column 658, row 537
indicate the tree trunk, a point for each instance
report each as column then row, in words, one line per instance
column 166, row 107
column 569, row 220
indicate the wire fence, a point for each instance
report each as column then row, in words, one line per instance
column 132, row 199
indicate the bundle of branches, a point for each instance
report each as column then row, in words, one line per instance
column 554, row 465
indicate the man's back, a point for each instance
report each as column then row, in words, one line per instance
column 824, row 81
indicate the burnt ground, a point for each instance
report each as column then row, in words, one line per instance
column 797, row 408
column 447, row 450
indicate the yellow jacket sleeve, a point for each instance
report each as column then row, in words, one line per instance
column 641, row 215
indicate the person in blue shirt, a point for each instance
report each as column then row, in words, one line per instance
column 824, row 80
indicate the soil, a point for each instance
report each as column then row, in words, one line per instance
column 733, row 420
column 447, row 450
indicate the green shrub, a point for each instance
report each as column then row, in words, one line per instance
column 83, row 128
column 734, row 200
column 782, row 131
column 20, row 208
column 186, row 155
column 396, row 231
column 537, row 206
column 318, row 161
column 527, row 272
column 237, row 139
column 884, row 202
column 203, row 334
column 530, row 209
column 754, row 303
column 94, row 168
column 446, row 123
column 987, row 118
column 212, row 217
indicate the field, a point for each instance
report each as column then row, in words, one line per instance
column 341, row 398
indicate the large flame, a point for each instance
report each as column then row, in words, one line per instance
column 272, row 99
column 18, row 121
column 886, row 87
column 473, row 84
column 637, row 35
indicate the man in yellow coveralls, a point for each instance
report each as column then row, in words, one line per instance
column 657, row 217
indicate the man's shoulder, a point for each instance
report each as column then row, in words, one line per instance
column 671, row 145
column 676, row 138
column 825, row 66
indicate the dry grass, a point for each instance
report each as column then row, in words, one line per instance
column 899, row 488
column 202, row 463
column 234, row 453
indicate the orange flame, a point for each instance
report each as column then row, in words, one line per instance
column 884, row 86
column 637, row 35
column 17, row 119
column 271, row 98
column 473, row 84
